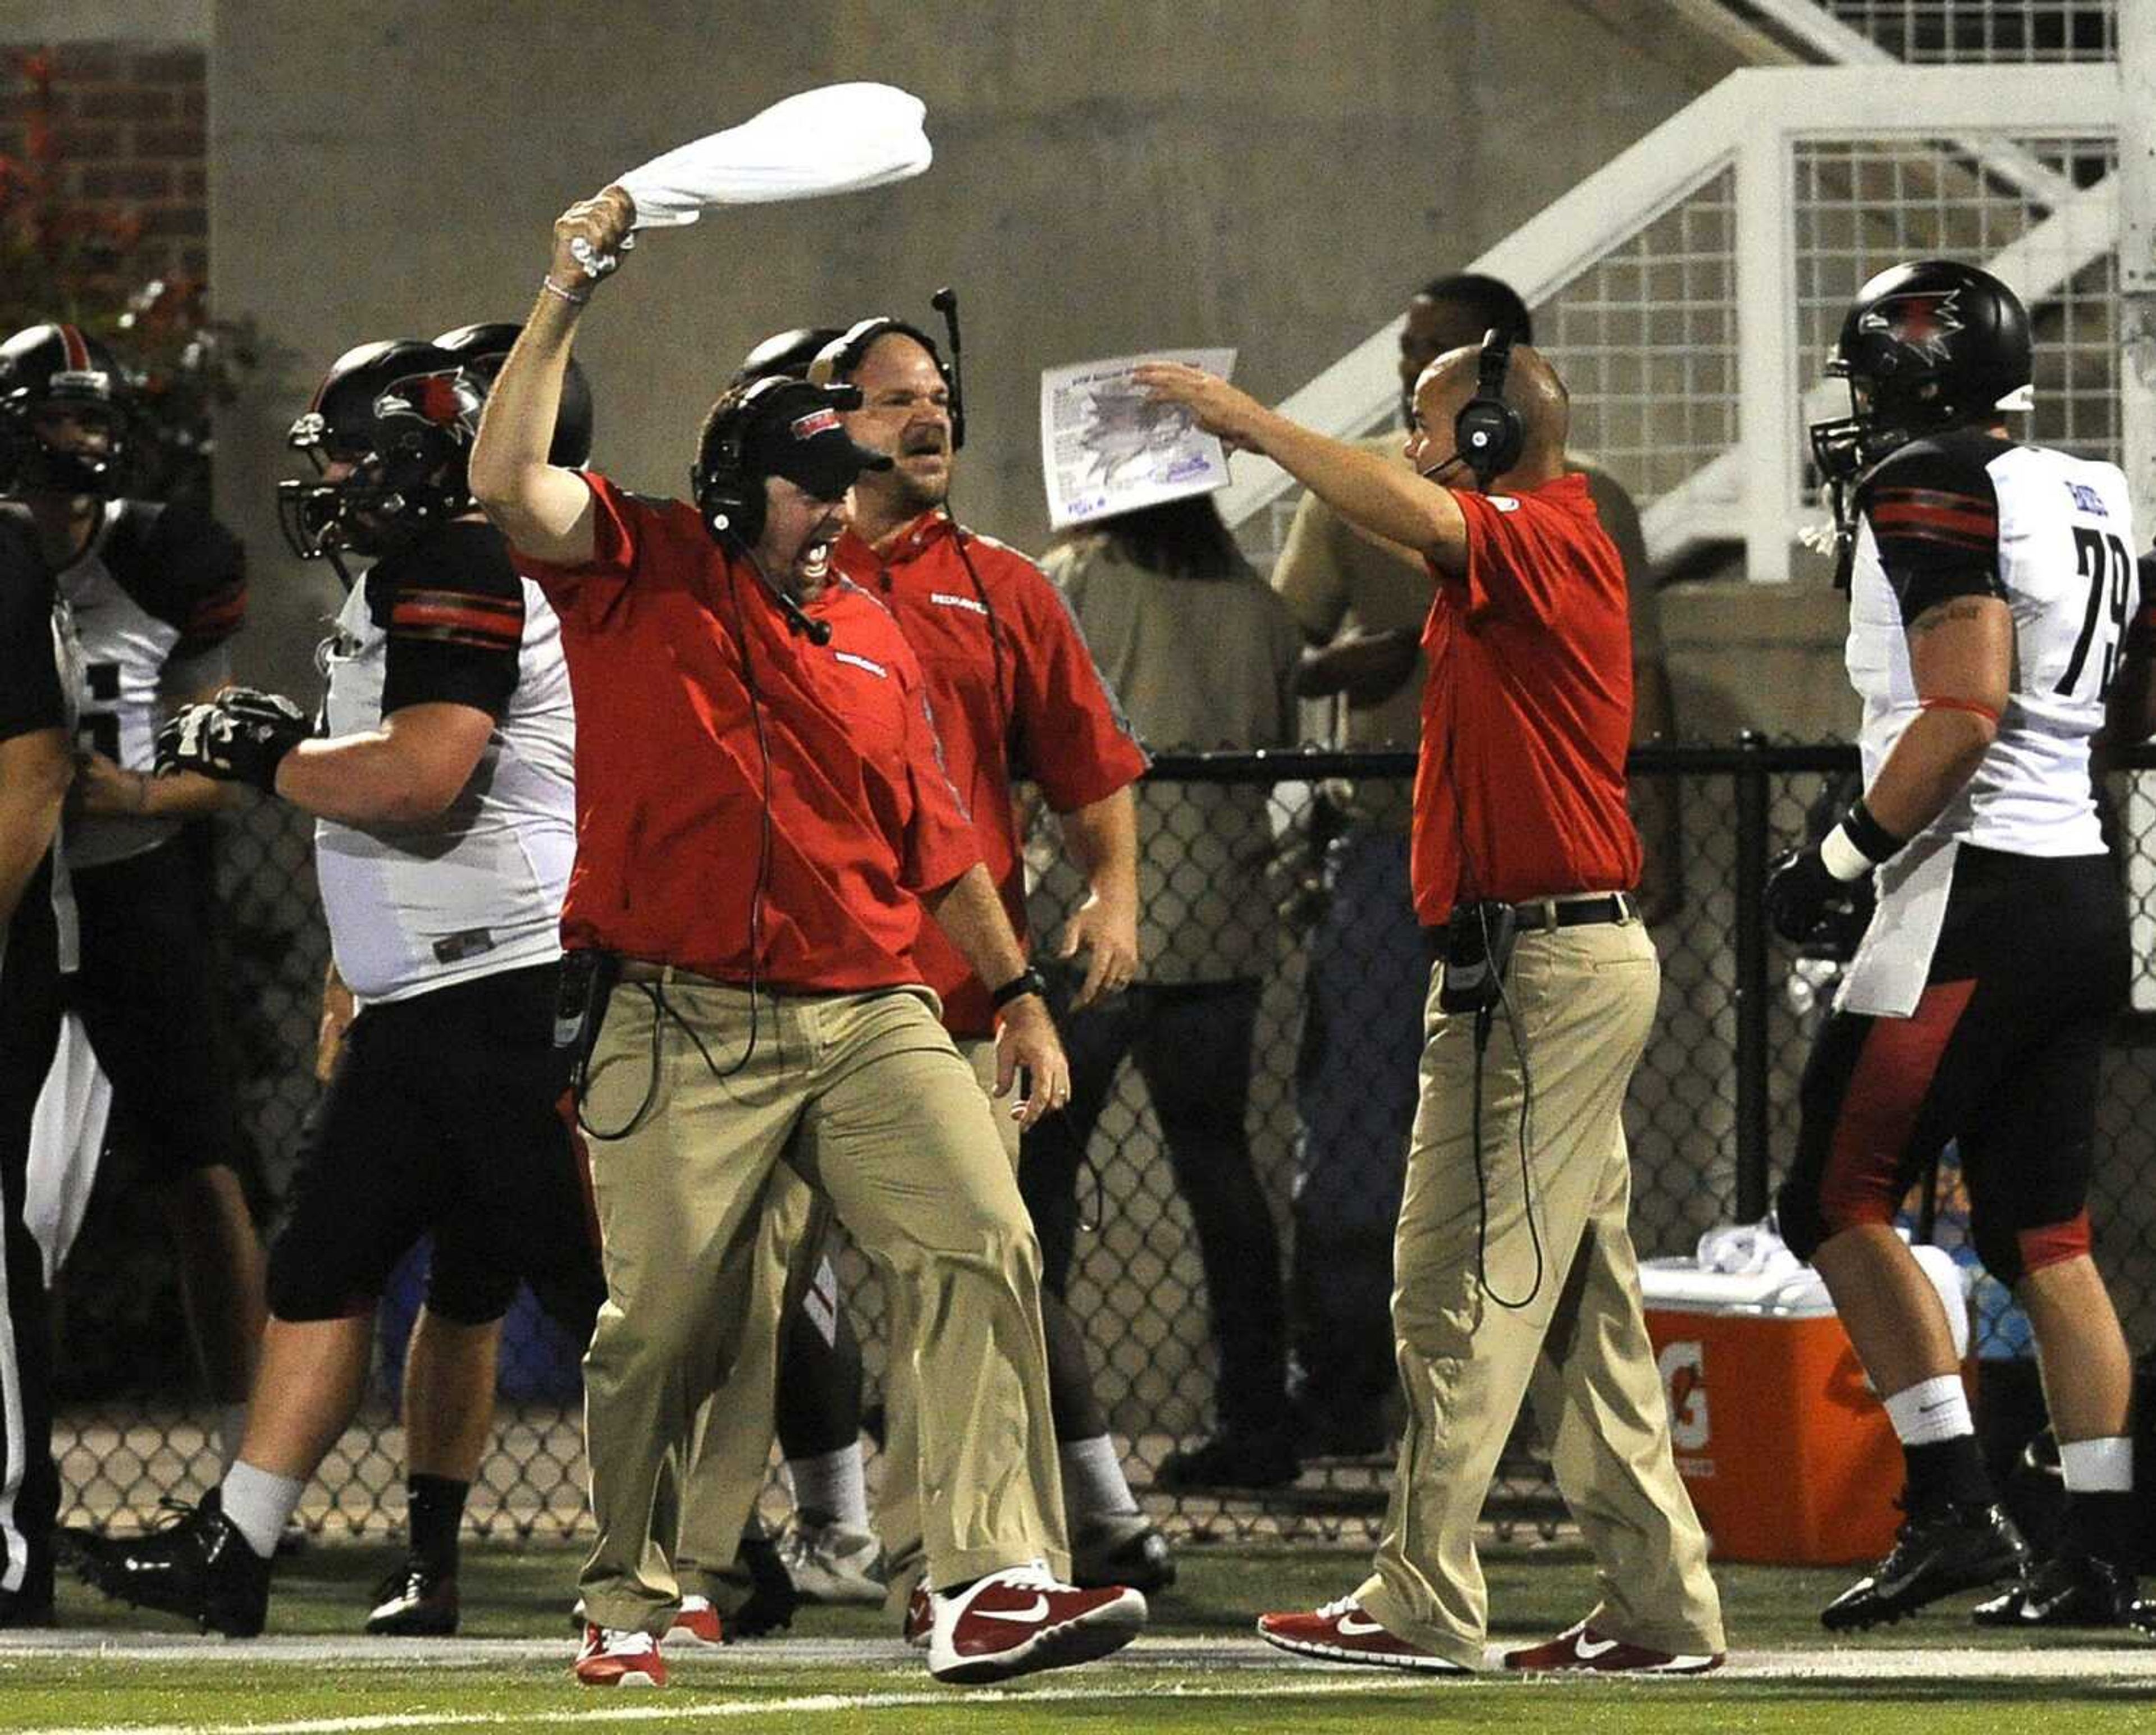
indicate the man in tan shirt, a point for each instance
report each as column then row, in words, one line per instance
column 1361, row 602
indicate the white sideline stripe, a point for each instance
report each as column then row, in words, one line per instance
column 672, row 1710
column 2122, row 1669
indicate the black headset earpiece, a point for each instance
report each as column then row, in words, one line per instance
column 838, row 359
column 732, row 502
column 1488, row 434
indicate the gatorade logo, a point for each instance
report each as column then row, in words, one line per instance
column 1683, row 1369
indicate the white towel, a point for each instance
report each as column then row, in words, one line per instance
column 67, row 1136
column 838, row 139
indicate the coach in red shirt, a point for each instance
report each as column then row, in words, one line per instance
column 1017, row 698
column 761, row 818
column 1513, row 1267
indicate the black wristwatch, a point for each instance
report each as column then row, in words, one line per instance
column 1028, row 981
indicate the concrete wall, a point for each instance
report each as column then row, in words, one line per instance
column 1272, row 173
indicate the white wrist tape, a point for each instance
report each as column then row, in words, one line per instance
column 1844, row 860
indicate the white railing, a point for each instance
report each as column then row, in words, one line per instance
column 2003, row 152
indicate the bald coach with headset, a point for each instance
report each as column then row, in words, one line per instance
column 1514, row 1270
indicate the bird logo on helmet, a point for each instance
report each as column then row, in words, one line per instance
column 1925, row 346
column 484, row 347
column 396, row 421
column 63, row 414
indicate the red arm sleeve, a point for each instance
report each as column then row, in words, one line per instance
column 617, row 533
column 1517, row 557
column 1073, row 739
column 940, row 843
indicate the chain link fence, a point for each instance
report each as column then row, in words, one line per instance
column 1332, row 976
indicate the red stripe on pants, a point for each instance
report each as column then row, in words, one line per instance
column 2055, row 1243
column 1893, row 1076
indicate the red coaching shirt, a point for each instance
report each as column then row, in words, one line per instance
column 1015, row 697
column 1527, row 709
column 671, row 783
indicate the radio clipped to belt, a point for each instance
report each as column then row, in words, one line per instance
column 588, row 976
column 1478, row 948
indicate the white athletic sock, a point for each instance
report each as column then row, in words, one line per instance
column 833, row 1487
column 2098, row 1466
column 1931, row 1411
column 1093, row 1485
column 231, row 1431
column 259, row 1503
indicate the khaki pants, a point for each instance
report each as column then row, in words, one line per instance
column 865, row 1099
column 898, row 1506
column 1582, row 1000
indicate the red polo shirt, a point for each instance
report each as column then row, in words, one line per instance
column 1034, row 710
column 671, row 787
column 1527, row 709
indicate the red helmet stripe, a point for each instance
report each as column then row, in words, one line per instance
column 77, row 351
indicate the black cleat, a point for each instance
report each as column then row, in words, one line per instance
column 1231, row 1461
column 772, row 1600
column 1124, row 1548
column 198, row 1567
column 415, row 1602
column 31, row 1606
column 2071, row 1588
column 1938, row 1552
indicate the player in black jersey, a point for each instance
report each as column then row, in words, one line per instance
column 35, row 935
column 156, row 593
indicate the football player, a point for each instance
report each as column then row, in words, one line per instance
column 444, row 832
column 156, row 592
column 1989, row 585
column 37, row 943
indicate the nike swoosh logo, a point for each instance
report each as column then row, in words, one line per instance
column 1587, row 1650
column 1023, row 1617
column 1358, row 1626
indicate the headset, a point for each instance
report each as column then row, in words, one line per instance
column 1488, row 434
column 840, row 356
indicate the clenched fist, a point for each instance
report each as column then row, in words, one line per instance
column 590, row 238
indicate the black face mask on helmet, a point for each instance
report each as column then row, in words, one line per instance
column 1925, row 346
column 402, row 415
column 47, row 373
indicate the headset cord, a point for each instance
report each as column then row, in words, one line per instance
column 664, row 1009
column 1483, row 1021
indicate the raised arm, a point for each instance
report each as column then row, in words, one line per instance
column 544, row 511
column 1395, row 504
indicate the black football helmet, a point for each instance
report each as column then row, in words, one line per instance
column 403, row 415
column 786, row 354
column 1932, row 344
column 484, row 347
column 56, row 367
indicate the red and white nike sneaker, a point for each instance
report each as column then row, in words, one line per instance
column 696, row 1623
column 919, row 1618
column 613, row 1658
column 1341, row 1633
column 1024, row 1618
column 1588, row 1649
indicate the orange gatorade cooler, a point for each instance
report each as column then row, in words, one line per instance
column 1787, row 1451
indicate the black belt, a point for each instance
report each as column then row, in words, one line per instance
column 1545, row 913
column 1575, row 912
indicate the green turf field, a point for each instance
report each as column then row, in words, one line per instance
column 1198, row 1670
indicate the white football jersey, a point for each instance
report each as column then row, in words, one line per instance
column 155, row 597
column 2054, row 533
column 478, row 889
